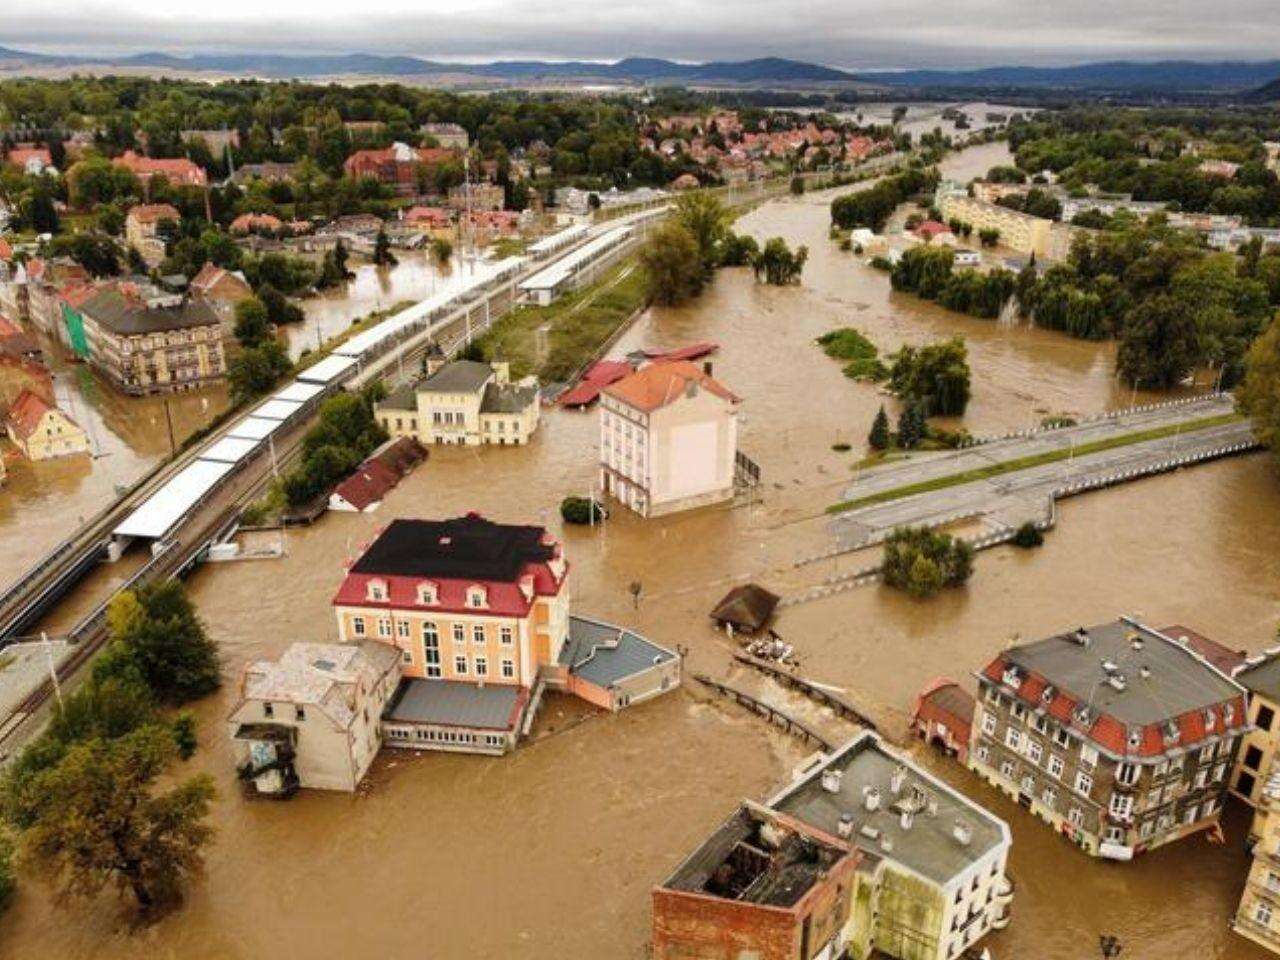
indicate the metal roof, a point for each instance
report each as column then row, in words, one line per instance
column 603, row 654
column 161, row 511
column 455, row 704
column 255, row 428
column 558, row 240
column 230, row 449
column 562, row 270
column 275, row 410
column 327, row 370
column 298, row 392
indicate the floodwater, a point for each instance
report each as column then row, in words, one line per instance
column 927, row 117
column 551, row 852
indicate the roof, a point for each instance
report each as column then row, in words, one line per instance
column 1261, row 674
column 26, row 413
column 230, row 449
column 747, row 607
column 564, row 269
column 466, row 547
column 330, row 676
column 692, row 352
column 1223, row 658
column 507, row 398
column 123, row 315
column 460, row 376
column 255, row 428
column 1126, row 687
column 380, row 472
column 658, row 384
column 327, row 370
column 598, row 376
column 604, row 654
column 211, row 276
column 451, row 703
column 154, row 212
column 928, row 845
column 932, row 228
column 158, row 514
column 947, row 697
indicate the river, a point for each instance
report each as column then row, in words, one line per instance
column 551, row 852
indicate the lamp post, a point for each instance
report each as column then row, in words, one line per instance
column 1110, row 946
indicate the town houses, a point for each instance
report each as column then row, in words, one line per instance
column 42, row 431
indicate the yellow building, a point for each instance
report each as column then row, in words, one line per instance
column 42, row 431
column 142, row 229
column 1260, row 676
column 1258, row 916
column 1018, row 231
column 463, row 402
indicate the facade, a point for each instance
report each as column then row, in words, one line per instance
column 474, row 607
column 668, row 439
column 222, row 290
column 448, row 135
column 763, row 886
column 141, row 227
column 312, row 718
column 1260, row 676
column 42, row 431
column 1118, row 736
column 1018, row 231
column 397, row 166
column 149, row 346
column 477, row 197
column 463, row 402
column 179, row 172
column 1258, row 916
column 943, row 716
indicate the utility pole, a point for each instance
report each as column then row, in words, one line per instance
column 168, row 418
column 53, row 673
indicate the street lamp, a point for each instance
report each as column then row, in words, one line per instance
column 1110, row 946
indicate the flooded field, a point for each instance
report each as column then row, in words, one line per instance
column 551, row 852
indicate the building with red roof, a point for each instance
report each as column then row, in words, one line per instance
column 178, row 171
column 363, row 491
column 248, row 223
column 30, row 159
column 668, row 439
column 932, row 230
column 943, row 716
column 1119, row 735
column 42, row 431
column 396, row 165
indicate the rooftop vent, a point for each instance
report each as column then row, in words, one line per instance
column 1083, row 714
column 831, row 780
column 1135, row 737
column 905, row 819
column 871, row 797
column 1081, row 636
column 1171, row 732
column 1012, row 677
column 899, row 779
column 962, row 832
column 1117, row 682
column 1135, row 641
column 886, row 844
column 870, row 832
column 845, row 827
column 1144, row 672
column 1109, row 666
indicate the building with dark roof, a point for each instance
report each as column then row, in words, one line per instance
column 148, row 343
column 463, row 402
column 1118, row 735
column 1260, row 676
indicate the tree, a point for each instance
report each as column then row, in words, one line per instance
column 579, row 510
column 673, row 269
column 797, row 186
column 252, row 324
column 441, row 249
column 157, row 625
column 777, row 265
column 1160, row 343
column 96, row 252
column 923, row 562
column 101, row 821
column 1259, row 395
column 935, row 376
column 879, row 438
column 989, row 236
column 911, row 426
column 707, row 222
column 738, row 250
column 256, row 370
column 382, row 254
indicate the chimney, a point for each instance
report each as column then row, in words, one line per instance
column 962, row 832
column 831, row 780
column 845, row 827
column 871, row 797
column 898, row 779
column 905, row 819
column 706, row 367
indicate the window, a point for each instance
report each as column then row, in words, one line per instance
column 1201, row 777
column 989, row 724
column 1088, row 756
column 1266, row 717
column 1206, row 754
column 1219, row 772
column 482, row 666
column 1034, row 751
column 1076, row 816
column 1084, row 782
column 402, row 628
column 1144, row 830
column 1055, row 765
column 984, row 755
column 427, row 593
column 506, row 635
column 1189, row 816
column 1121, row 805
column 1060, row 737
column 1013, row 738
column 1245, row 784
column 993, row 695
column 1050, row 797
column 357, row 626
column 1127, row 774
column 1161, row 768
column 268, row 709
column 1007, row 769
column 1262, row 913
column 1042, row 723
column 430, row 632
column 384, row 627
column 477, row 633
column 377, row 590
column 475, row 597
column 1029, row 785
column 508, row 669
column 406, row 656
column 1019, row 711
column 300, row 712
column 1115, row 835
column 460, row 664
column 459, row 634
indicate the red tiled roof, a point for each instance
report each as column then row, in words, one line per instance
column 1224, row 658
column 154, row 212
column 6, row 251
column 504, row 599
column 26, row 413
column 598, row 376
column 248, row 222
column 658, row 384
column 180, row 169
column 20, row 155
column 368, row 485
column 931, row 228
column 691, row 352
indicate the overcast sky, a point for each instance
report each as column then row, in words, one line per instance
column 843, row 33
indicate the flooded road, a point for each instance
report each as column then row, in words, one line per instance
column 551, row 852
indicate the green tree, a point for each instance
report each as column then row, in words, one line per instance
column 1259, row 394
column 777, row 265
column 911, row 426
column 673, row 269
column 579, row 510
column 738, row 250
column 879, row 438
column 441, row 249
column 935, row 376
column 1160, row 343
column 256, row 370
column 382, row 254
column 101, row 821
column 922, row 562
column 162, row 633
column 706, row 220
column 252, row 324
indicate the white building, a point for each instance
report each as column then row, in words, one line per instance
column 668, row 439
column 463, row 402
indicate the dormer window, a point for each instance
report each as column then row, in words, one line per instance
column 477, row 596
column 377, row 590
column 1209, row 720
column 428, row 595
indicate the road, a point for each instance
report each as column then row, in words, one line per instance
column 1013, row 498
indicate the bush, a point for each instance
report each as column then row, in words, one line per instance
column 923, row 562
column 860, row 354
column 184, row 734
column 1028, row 536
column 579, row 510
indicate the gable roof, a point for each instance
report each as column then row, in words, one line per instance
column 658, row 384
column 460, row 376
column 27, row 412
column 123, row 315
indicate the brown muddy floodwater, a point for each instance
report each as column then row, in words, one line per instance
column 551, row 852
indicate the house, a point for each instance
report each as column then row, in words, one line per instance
column 179, row 172
column 448, row 135
column 943, row 716
column 142, row 229
column 764, row 886
column 1218, row 168
column 922, row 875
column 1258, row 915
column 260, row 223
column 1018, row 231
column 429, row 219
column 40, row 299
column 745, row 608
column 931, row 230
column 22, row 366
column 397, row 165
column 149, row 343
column 269, row 172
column 42, row 431
column 362, row 492
column 463, row 402
column 478, row 609
column 477, row 196
column 31, row 160
column 668, row 439
column 222, row 290
column 612, row 667
column 312, row 718
column 1119, row 736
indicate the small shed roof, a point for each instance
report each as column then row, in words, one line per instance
column 747, row 607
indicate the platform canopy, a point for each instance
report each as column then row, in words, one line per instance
column 255, row 428
column 230, row 449
column 275, row 410
column 327, row 370
column 299, row 392
column 161, row 511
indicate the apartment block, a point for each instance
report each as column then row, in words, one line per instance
column 1258, row 916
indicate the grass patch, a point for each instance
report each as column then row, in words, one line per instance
column 575, row 327
column 860, row 356
column 1028, row 462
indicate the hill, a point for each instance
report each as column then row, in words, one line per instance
column 1166, row 75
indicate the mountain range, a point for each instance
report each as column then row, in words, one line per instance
column 1154, row 76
